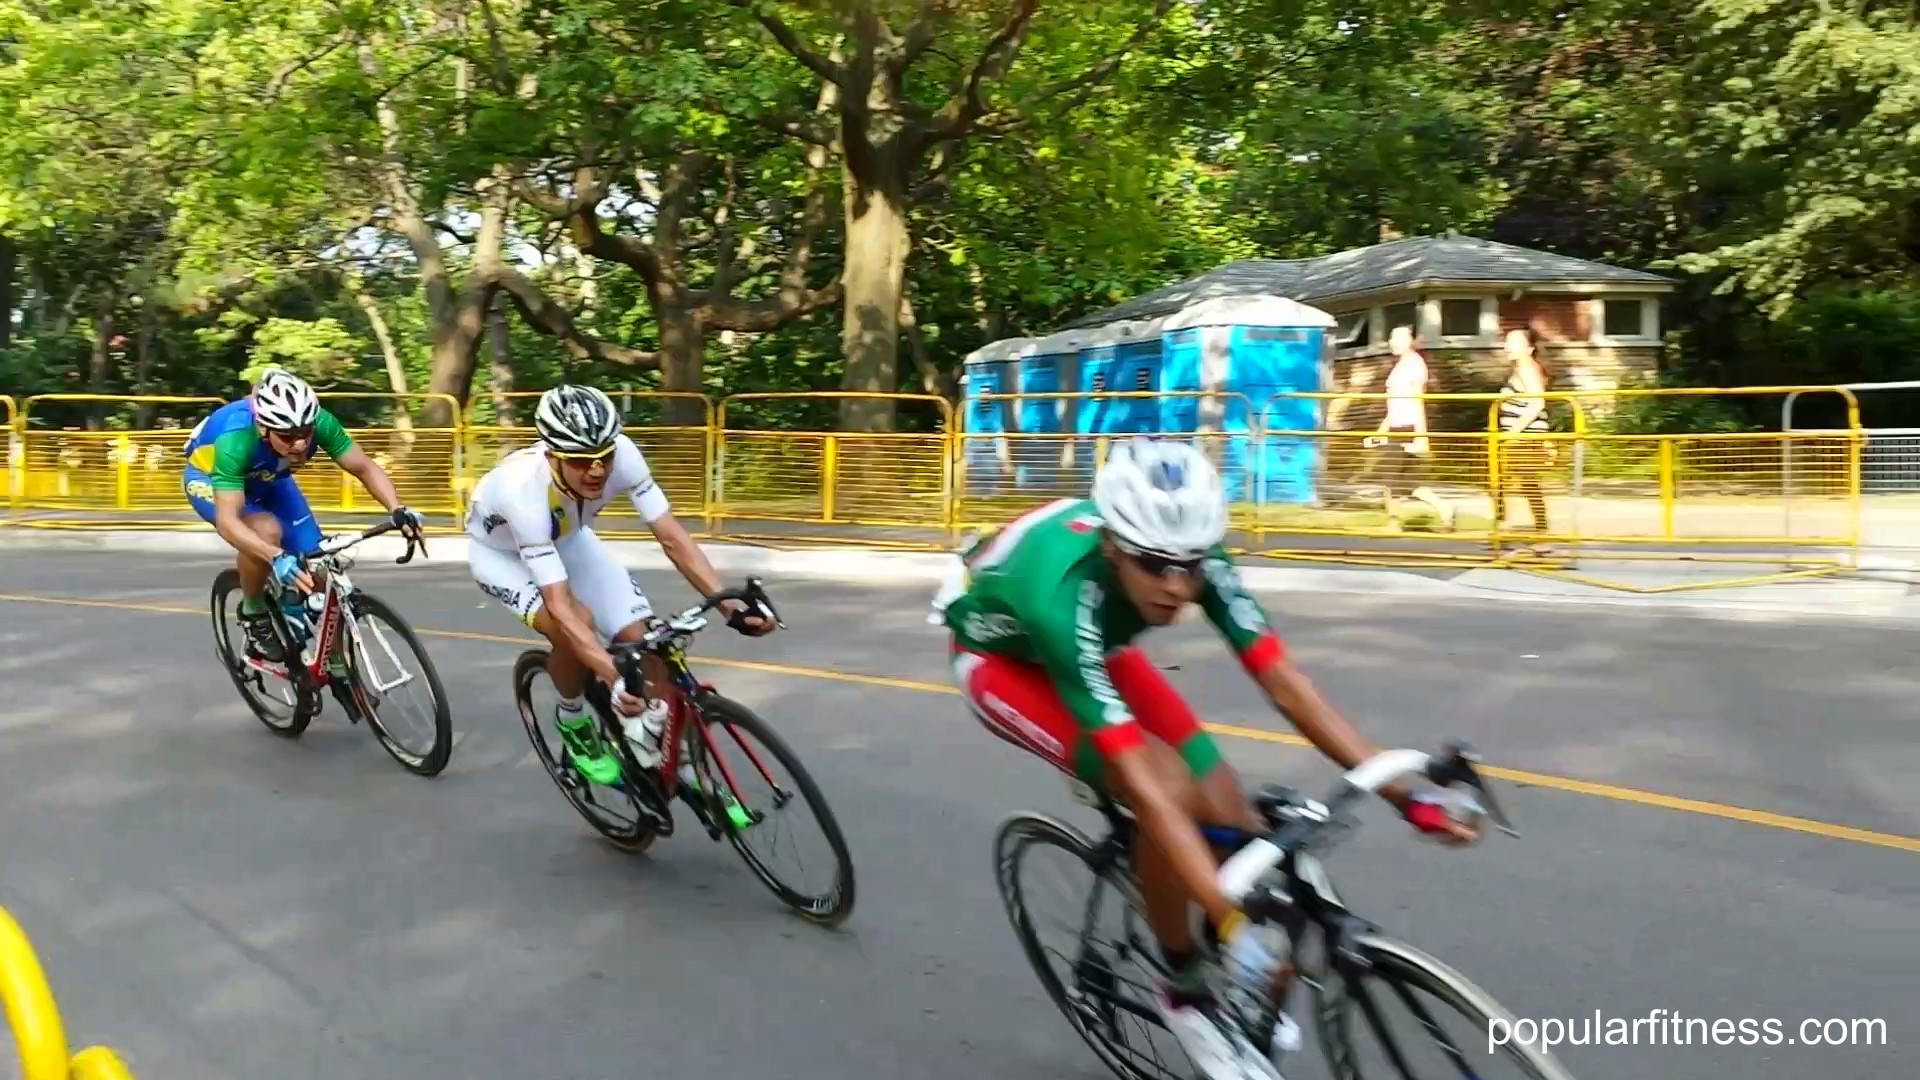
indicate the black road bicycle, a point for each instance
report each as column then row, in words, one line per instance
column 1283, row 889
column 697, row 766
column 337, row 646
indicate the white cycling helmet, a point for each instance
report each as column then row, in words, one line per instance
column 577, row 419
column 1161, row 497
column 282, row 401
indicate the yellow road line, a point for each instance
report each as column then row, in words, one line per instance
column 1544, row 780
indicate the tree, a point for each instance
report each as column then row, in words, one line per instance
column 914, row 82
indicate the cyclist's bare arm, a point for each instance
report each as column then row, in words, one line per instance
column 685, row 554
column 371, row 476
column 1297, row 699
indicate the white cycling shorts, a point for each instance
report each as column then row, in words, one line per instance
column 594, row 576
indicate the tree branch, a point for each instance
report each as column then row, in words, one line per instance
column 921, row 36
column 790, row 41
column 552, row 319
column 964, row 109
column 1083, row 84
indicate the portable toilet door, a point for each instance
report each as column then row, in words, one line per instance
column 1249, row 347
column 988, row 371
column 1040, row 449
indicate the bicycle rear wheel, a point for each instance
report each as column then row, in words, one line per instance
column 729, row 767
column 1104, row 982
column 1405, row 971
column 286, row 713
column 367, row 610
column 633, row 835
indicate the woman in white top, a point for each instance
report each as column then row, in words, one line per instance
column 1406, row 415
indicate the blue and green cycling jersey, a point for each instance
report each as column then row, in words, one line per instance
column 230, row 450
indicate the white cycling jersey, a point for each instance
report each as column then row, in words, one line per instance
column 517, row 507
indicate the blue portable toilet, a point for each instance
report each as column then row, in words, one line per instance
column 1050, row 366
column 990, row 370
column 1254, row 346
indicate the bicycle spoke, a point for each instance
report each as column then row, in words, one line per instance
column 1372, row 1010
column 1433, row 1028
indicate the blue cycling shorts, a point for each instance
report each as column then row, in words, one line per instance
column 282, row 498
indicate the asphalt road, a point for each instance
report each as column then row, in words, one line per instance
column 219, row 903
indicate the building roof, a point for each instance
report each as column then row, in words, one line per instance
column 1416, row 262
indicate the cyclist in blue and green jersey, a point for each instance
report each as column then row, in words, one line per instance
column 1044, row 616
column 239, row 479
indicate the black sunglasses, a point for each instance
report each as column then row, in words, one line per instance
column 1161, row 565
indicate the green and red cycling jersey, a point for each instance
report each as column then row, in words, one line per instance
column 1042, row 591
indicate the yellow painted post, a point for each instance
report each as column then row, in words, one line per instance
column 1666, row 488
column 828, row 462
column 16, row 451
column 37, row 1032
column 123, row 472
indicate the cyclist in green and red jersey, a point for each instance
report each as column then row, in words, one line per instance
column 1044, row 614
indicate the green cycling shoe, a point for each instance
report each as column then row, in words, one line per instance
column 585, row 750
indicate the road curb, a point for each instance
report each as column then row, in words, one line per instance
column 1860, row 597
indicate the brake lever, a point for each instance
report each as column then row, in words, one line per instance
column 1479, row 783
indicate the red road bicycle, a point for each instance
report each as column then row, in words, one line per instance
column 707, row 756
column 338, row 639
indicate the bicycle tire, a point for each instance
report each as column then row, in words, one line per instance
column 635, row 839
column 830, row 908
column 1016, row 836
column 1396, row 961
column 435, row 760
column 302, row 712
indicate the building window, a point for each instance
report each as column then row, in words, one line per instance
column 1355, row 330
column 1621, row 318
column 1460, row 318
column 1407, row 315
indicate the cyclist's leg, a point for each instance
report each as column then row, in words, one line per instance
column 1208, row 786
column 1018, row 702
column 621, row 612
column 254, row 573
column 503, row 576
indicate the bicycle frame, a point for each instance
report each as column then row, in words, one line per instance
column 332, row 564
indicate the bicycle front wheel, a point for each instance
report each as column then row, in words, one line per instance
column 732, row 773
column 380, row 628
column 1424, row 1045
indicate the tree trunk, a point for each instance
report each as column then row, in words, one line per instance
column 7, row 260
column 396, row 371
column 500, row 354
column 100, row 360
column 878, row 242
column 682, row 353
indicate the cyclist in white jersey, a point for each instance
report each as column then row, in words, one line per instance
column 532, row 547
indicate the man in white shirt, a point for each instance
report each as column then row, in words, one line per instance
column 533, row 549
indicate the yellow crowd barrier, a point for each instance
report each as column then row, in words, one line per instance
column 38, row 1034
column 131, row 469
column 894, row 479
column 1612, row 470
column 425, row 463
column 16, row 466
column 1003, row 474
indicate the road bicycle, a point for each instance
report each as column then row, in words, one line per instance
column 1283, row 888
column 335, row 634
column 696, row 767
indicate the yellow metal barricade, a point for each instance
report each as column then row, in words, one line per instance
column 16, row 452
column 1049, row 444
column 894, row 479
column 423, row 462
column 673, row 429
column 1617, row 485
column 113, row 470
column 38, row 1033
column 1328, row 471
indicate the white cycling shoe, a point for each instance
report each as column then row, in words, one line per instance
column 1218, row 1056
